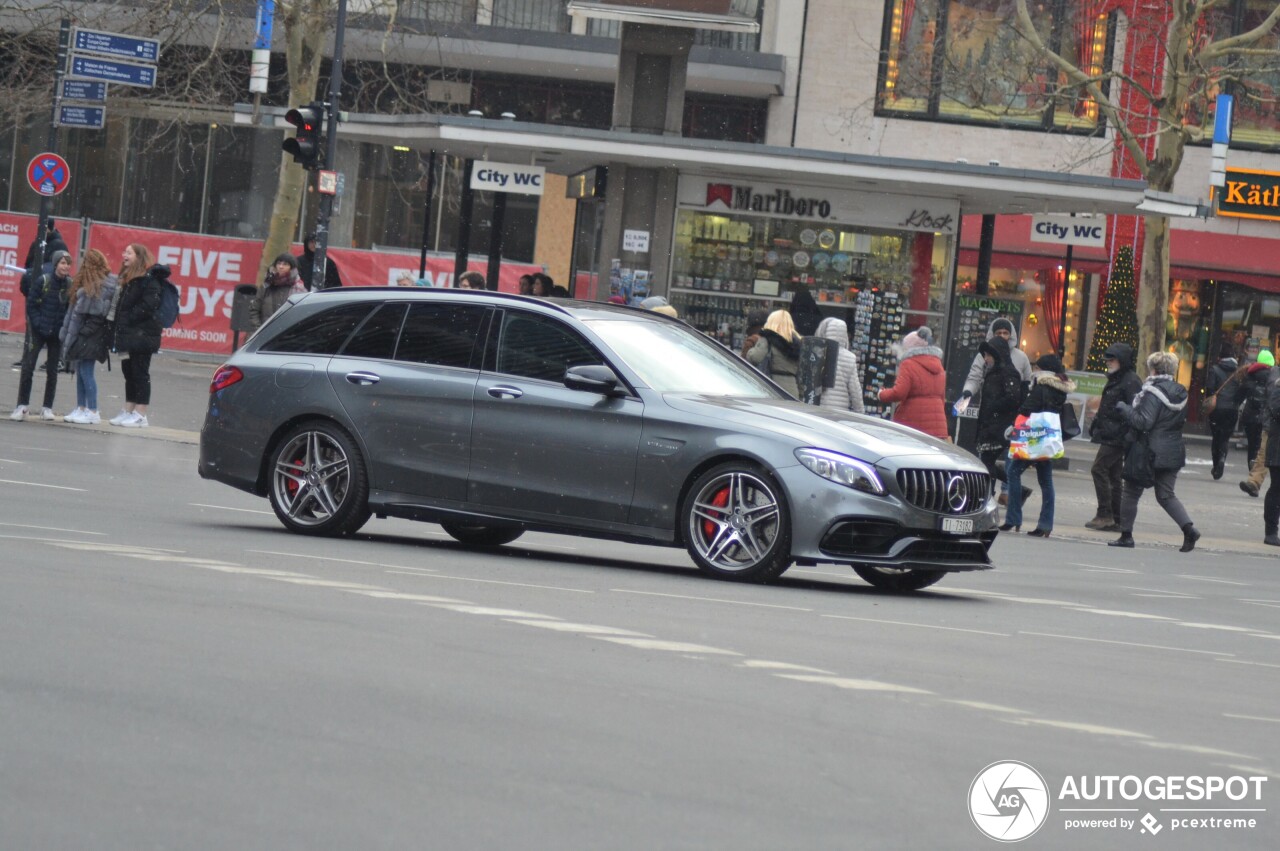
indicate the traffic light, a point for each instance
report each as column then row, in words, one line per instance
column 305, row 145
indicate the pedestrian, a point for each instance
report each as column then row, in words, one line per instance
column 541, row 285
column 1003, row 328
column 85, row 334
column 659, row 304
column 46, row 295
column 1254, row 385
column 306, row 262
column 845, row 392
column 526, row 285
column 1156, row 451
column 1000, row 397
column 137, row 330
column 777, row 352
column 919, row 391
column 404, row 279
column 1223, row 385
column 470, row 281
column 755, row 324
column 804, row 312
column 1109, row 431
column 1049, row 388
column 280, row 282
column 1271, row 505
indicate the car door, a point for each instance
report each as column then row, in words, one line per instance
column 406, row 379
column 539, row 448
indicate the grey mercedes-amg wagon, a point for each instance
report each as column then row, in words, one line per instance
column 491, row 414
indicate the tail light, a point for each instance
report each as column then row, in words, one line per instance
column 224, row 378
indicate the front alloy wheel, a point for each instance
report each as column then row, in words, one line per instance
column 318, row 483
column 736, row 524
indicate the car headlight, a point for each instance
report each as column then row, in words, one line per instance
column 842, row 470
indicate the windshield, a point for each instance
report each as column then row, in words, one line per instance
column 675, row 359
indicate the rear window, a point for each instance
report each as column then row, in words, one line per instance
column 377, row 336
column 321, row 334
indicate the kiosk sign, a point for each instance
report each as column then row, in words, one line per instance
column 48, row 174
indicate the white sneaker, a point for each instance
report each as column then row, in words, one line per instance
column 137, row 420
column 19, row 413
column 76, row 416
column 47, row 415
column 120, row 417
column 90, row 418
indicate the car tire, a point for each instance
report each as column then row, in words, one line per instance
column 482, row 536
column 898, row 578
column 736, row 524
column 318, row 484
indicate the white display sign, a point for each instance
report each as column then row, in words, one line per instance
column 506, row 177
column 1090, row 231
column 635, row 240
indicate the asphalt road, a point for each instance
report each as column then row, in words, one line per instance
column 179, row 672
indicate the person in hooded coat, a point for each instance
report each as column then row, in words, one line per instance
column 1226, row 407
column 1258, row 463
column 1002, row 394
column 920, row 388
column 135, row 311
column 1156, row 450
column 845, row 393
column 804, row 312
column 46, row 296
column 1049, row 390
column 1271, row 459
column 1254, row 383
column 777, row 352
column 1002, row 328
column 1108, row 431
column 306, row 262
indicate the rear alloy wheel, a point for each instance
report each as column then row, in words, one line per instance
column 482, row 536
column 318, row 481
column 736, row 524
column 898, row 578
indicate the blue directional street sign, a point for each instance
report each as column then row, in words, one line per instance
column 117, row 45
column 112, row 71
column 84, row 90
column 70, row 115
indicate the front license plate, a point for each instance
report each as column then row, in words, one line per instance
column 957, row 526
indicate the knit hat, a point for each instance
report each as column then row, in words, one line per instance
column 287, row 258
column 918, row 338
column 1002, row 324
column 1050, row 363
column 56, row 257
column 1266, row 358
column 1227, row 351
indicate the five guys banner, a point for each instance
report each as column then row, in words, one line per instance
column 207, row 269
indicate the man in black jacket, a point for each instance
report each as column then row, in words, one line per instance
column 1108, row 431
column 306, row 265
column 37, row 265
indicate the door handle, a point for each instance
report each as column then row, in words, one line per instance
column 363, row 378
column 503, row 392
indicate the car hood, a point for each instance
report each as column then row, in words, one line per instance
column 869, row 438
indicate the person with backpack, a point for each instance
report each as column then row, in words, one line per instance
column 85, row 334
column 1110, row 432
column 46, row 296
column 1223, row 386
column 919, row 391
column 1001, row 396
column 845, row 391
column 1253, row 401
column 777, row 352
column 136, row 314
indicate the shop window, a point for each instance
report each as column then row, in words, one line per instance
column 963, row 60
column 1039, row 289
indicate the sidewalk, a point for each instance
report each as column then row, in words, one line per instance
column 1229, row 520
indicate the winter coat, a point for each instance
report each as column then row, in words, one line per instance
column 271, row 296
column 1048, row 393
column 1252, row 395
column 46, row 303
column 1156, row 417
column 804, row 312
column 1109, row 427
column 978, row 369
column 53, row 242
column 846, row 393
column 307, row 261
column 137, row 322
column 1218, row 375
column 783, row 357
column 1272, row 458
column 85, row 306
column 920, row 391
column 1002, row 393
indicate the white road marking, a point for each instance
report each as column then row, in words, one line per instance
column 51, row 529
column 709, row 599
column 309, row 557
column 412, row 598
column 922, row 625
column 90, row 546
column 1165, row 596
column 1079, row 727
column 782, row 666
column 853, row 684
column 325, row 583
column 667, row 646
column 1245, row 662
column 468, row 609
column 986, row 707
column 1164, row 591
column 1251, row 718
column 11, row 461
column 1124, row 643
column 414, row 571
column 1199, row 749
column 496, row 582
column 251, row 571
column 1119, row 614
column 229, row 508
column 580, row 628
column 41, row 485
column 1216, row 626
column 1252, row 769
column 1263, row 635
column 1098, row 568
column 1212, row 579
column 1035, row 601
column 1258, row 600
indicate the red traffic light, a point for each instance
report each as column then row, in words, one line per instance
column 305, row 145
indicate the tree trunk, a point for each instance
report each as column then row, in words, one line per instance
column 1153, row 292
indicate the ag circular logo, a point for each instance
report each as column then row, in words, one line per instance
column 1008, row 801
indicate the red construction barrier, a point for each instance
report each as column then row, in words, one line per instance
column 17, row 230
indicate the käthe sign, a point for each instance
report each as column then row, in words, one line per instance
column 507, row 177
column 1250, row 194
column 1090, row 231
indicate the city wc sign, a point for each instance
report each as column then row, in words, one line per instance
column 506, row 177
column 1089, row 231
column 1250, row 194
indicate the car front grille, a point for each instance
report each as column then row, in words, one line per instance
column 945, row 491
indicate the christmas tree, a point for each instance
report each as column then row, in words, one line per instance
column 1118, row 317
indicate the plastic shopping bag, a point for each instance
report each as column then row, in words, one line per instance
column 1037, row 438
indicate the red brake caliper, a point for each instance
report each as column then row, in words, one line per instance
column 292, row 486
column 720, row 500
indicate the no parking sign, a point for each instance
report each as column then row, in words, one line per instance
column 48, row 174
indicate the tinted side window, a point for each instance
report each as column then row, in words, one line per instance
column 441, row 334
column 321, row 334
column 377, row 336
column 537, row 347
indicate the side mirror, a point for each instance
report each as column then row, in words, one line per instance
column 593, row 378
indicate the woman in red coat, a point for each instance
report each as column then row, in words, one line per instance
column 920, row 386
